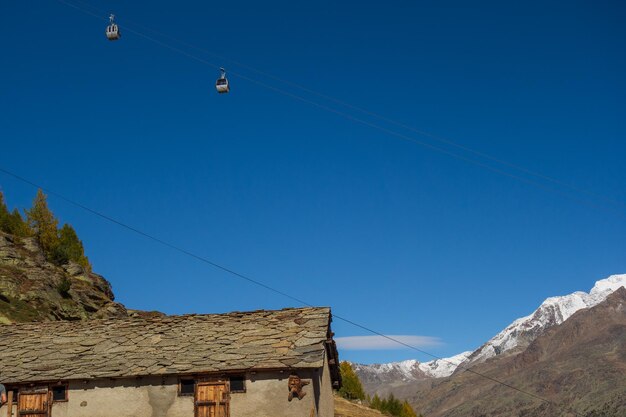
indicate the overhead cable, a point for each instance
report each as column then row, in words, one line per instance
column 267, row 287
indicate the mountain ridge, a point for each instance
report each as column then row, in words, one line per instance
column 518, row 335
column 577, row 367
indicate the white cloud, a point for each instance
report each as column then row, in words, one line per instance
column 385, row 343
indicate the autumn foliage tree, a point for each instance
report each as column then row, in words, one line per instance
column 43, row 223
column 351, row 387
column 59, row 245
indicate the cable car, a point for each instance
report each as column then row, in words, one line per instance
column 221, row 85
column 112, row 31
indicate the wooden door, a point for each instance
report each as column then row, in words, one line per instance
column 33, row 402
column 212, row 399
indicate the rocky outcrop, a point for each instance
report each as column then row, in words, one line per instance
column 33, row 289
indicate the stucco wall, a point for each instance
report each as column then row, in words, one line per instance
column 265, row 396
column 327, row 399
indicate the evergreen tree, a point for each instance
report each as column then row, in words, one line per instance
column 4, row 211
column 376, row 403
column 43, row 223
column 12, row 223
column 392, row 406
column 59, row 246
column 17, row 226
column 351, row 388
column 69, row 248
column 4, row 215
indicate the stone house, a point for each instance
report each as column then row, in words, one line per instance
column 259, row 363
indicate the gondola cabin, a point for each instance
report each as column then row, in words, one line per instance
column 112, row 31
column 221, row 85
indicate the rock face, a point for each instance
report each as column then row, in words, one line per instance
column 31, row 288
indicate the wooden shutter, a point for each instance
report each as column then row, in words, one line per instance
column 33, row 402
column 212, row 399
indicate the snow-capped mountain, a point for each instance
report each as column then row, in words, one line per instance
column 553, row 311
column 519, row 334
column 441, row 368
column 404, row 371
column 375, row 375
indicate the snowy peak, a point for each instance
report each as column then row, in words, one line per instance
column 605, row 287
column 407, row 371
column 441, row 368
column 389, row 372
column 553, row 311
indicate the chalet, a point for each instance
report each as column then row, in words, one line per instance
column 260, row 363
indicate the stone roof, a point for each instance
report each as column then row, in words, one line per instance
column 282, row 339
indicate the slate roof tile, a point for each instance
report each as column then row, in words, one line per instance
column 289, row 338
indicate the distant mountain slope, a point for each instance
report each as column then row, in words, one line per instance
column 384, row 378
column 33, row 289
column 580, row 363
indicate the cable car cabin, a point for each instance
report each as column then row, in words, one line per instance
column 221, row 85
column 113, row 32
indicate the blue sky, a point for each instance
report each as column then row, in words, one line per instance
column 397, row 236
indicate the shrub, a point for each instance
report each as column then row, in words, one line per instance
column 64, row 286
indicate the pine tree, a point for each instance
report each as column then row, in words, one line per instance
column 69, row 248
column 376, row 403
column 4, row 211
column 4, row 215
column 351, row 388
column 17, row 226
column 43, row 223
column 12, row 223
column 392, row 405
